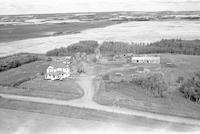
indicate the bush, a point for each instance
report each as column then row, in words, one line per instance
column 180, row 79
column 20, row 82
column 191, row 88
column 94, row 59
column 42, row 73
column 80, row 68
column 17, row 60
column 153, row 83
column 106, row 77
column 49, row 59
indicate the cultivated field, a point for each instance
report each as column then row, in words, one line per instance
column 19, row 32
column 128, row 95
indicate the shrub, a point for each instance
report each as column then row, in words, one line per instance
column 180, row 79
column 191, row 88
column 106, row 77
column 154, row 83
column 94, row 59
column 17, row 60
column 80, row 68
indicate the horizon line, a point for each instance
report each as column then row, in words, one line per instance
column 100, row 12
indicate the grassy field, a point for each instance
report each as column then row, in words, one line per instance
column 20, row 32
column 91, row 115
column 130, row 96
column 16, row 76
column 181, row 65
column 64, row 90
column 27, row 80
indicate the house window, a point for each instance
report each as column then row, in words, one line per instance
column 59, row 69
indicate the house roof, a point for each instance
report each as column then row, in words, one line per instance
column 58, row 64
column 56, row 73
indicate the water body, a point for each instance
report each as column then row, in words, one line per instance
column 144, row 31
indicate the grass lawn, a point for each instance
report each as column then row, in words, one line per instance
column 38, row 87
column 16, row 76
column 130, row 96
column 67, row 89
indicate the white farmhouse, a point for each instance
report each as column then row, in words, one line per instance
column 145, row 59
column 57, row 71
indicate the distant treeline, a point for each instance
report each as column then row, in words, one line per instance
column 176, row 46
column 87, row 47
column 17, row 60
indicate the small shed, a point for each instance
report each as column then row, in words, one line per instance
column 145, row 59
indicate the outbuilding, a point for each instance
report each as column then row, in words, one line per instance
column 145, row 59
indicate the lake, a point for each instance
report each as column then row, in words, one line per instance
column 138, row 31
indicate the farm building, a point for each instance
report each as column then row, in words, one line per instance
column 145, row 59
column 68, row 60
column 57, row 71
column 120, row 56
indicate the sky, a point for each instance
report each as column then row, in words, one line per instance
column 66, row 6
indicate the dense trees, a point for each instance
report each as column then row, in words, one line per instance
column 191, row 88
column 177, row 46
column 16, row 60
column 87, row 47
column 58, row 52
column 154, row 84
column 110, row 48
